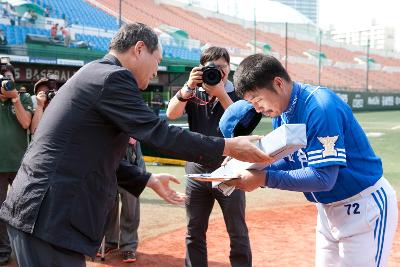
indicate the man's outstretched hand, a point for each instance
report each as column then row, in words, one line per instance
column 160, row 184
column 244, row 149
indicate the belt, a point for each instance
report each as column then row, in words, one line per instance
column 380, row 183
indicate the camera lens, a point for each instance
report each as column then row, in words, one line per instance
column 50, row 95
column 8, row 85
column 211, row 75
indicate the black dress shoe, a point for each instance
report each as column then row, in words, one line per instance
column 4, row 259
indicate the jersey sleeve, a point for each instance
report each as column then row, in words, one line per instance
column 325, row 133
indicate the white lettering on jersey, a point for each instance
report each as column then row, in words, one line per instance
column 290, row 157
column 329, row 145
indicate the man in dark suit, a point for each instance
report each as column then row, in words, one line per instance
column 57, row 207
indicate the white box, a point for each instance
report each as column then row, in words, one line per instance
column 279, row 143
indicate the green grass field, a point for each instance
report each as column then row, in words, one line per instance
column 384, row 134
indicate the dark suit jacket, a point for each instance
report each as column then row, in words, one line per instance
column 66, row 184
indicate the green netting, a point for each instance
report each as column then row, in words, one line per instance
column 176, row 33
column 316, row 54
column 264, row 46
column 22, row 6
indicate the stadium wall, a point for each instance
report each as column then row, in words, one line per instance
column 172, row 77
column 369, row 101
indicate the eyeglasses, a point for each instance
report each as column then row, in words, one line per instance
column 224, row 66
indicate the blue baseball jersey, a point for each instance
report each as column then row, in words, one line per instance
column 334, row 138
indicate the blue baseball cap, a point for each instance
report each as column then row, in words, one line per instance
column 240, row 118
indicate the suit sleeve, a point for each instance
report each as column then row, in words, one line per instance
column 122, row 103
column 131, row 177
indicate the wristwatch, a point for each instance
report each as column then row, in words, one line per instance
column 187, row 90
column 180, row 98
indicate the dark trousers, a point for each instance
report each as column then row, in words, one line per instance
column 123, row 229
column 201, row 198
column 31, row 251
column 6, row 179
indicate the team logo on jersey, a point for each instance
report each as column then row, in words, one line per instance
column 329, row 145
column 302, row 157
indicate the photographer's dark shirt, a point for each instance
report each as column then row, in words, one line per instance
column 204, row 119
column 67, row 184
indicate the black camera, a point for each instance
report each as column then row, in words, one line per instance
column 51, row 86
column 211, row 74
column 50, row 95
column 6, row 83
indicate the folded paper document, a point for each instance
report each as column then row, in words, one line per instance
column 208, row 177
column 279, row 143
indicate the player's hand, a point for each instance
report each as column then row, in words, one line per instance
column 160, row 184
column 41, row 98
column 195, row 77
column 243, row 148
column 249, row 180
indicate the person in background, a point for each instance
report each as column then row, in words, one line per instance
column 44, row 89
column 47, row 12
column 22, row 89
column 15, row 118
column 204, row 107
column 157, row 102
column 53, row 31
column 122, row 231
column 66, row 35
column 3, row 38
column 3, row 42
column 28, row 18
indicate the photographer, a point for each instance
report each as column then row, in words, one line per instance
column 15, row 118
column 45, row 89
column 204, row 106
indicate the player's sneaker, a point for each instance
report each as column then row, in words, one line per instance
column 128, row 256
column 108, row 250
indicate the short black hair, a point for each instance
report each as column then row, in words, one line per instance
column 214, row 53
column 258, row 71
column 129, row 34
column 7, row 67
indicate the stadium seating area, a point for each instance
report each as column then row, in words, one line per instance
column 339, row 70
column 181, row 53
column 220, row 32
column 169, row 51
column 95, row 42
column 16, row 34
column 79, row 12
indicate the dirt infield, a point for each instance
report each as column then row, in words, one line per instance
column 280, row 236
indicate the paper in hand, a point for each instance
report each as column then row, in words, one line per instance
column 279, row 143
